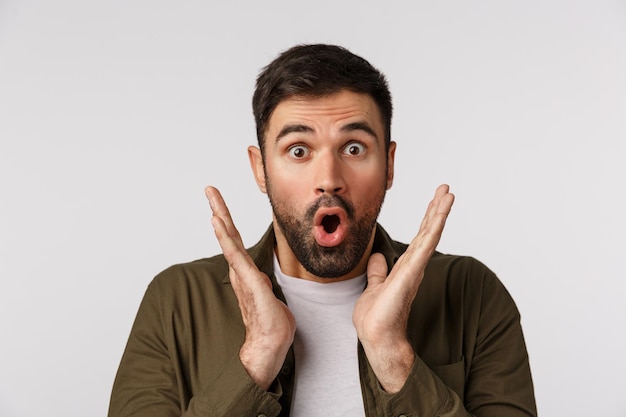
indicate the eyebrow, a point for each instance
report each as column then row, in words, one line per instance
column 293, row 129
column 350, row 127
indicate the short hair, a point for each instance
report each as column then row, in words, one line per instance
column 316, row 71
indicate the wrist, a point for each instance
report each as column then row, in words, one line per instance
column 261, row 363
column 391, row 363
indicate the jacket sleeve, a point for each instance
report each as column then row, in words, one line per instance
column 493, row 380
column 151, row 381
column 423, row 394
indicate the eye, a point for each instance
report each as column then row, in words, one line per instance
column 354, row 149
column 298, row 152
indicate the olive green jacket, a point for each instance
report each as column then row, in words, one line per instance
column 182, row 356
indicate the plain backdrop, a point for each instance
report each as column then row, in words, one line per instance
column 114, row 116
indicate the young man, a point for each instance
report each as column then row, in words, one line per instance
column 326, row 315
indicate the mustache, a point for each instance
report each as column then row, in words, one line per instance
column 330, row 201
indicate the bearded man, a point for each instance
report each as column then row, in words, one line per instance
column 326, row 315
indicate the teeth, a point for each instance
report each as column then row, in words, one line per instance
column 330, row 223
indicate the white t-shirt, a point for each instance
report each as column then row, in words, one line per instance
column 327, row 371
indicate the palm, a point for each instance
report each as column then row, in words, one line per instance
column 270, row 326
column 381, row 313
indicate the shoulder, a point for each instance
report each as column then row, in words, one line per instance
column 191, row 282
column 451, row 278
column 445, row 268
column 198, row 271
column 467, row 281
column 460, row 268
column 213, row 270
column 205, row 281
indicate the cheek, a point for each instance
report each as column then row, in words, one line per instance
column 369, row 180
column 374, row 183
column 286, row 183
column 286, row 190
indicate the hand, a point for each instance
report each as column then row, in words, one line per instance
column 381, row 313
column 270, row 326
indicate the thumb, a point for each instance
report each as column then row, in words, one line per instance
column 376, row 269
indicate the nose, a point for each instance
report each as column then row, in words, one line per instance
column 329, row 175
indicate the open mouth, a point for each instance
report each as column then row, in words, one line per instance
column 330, row 223
column 330, row 226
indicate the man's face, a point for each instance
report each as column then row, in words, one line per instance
column 326, row 171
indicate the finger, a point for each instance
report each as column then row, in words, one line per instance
column 434, row 220
column 376, row 269
column 220, row 210
column 243, row 270
column 438, row 209
column 236, row 256
column 421, row 248
column 227, row 235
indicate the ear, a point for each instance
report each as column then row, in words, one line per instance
column 391, row 157
column 256, row 163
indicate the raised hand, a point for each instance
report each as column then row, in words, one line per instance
column 381, row 313
column 270, row 326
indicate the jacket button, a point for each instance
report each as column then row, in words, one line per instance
column 261, row 415
column 285, row 370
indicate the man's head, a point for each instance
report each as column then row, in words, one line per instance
column 316, row 71
column 325, row 158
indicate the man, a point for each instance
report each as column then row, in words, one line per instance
column 326, row 315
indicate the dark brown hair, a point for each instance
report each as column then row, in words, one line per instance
column 316, row 71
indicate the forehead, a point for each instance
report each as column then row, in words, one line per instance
column 331, row 110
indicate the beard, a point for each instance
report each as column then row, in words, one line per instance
column 323, row 261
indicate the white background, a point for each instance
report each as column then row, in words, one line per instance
column 115, row 114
